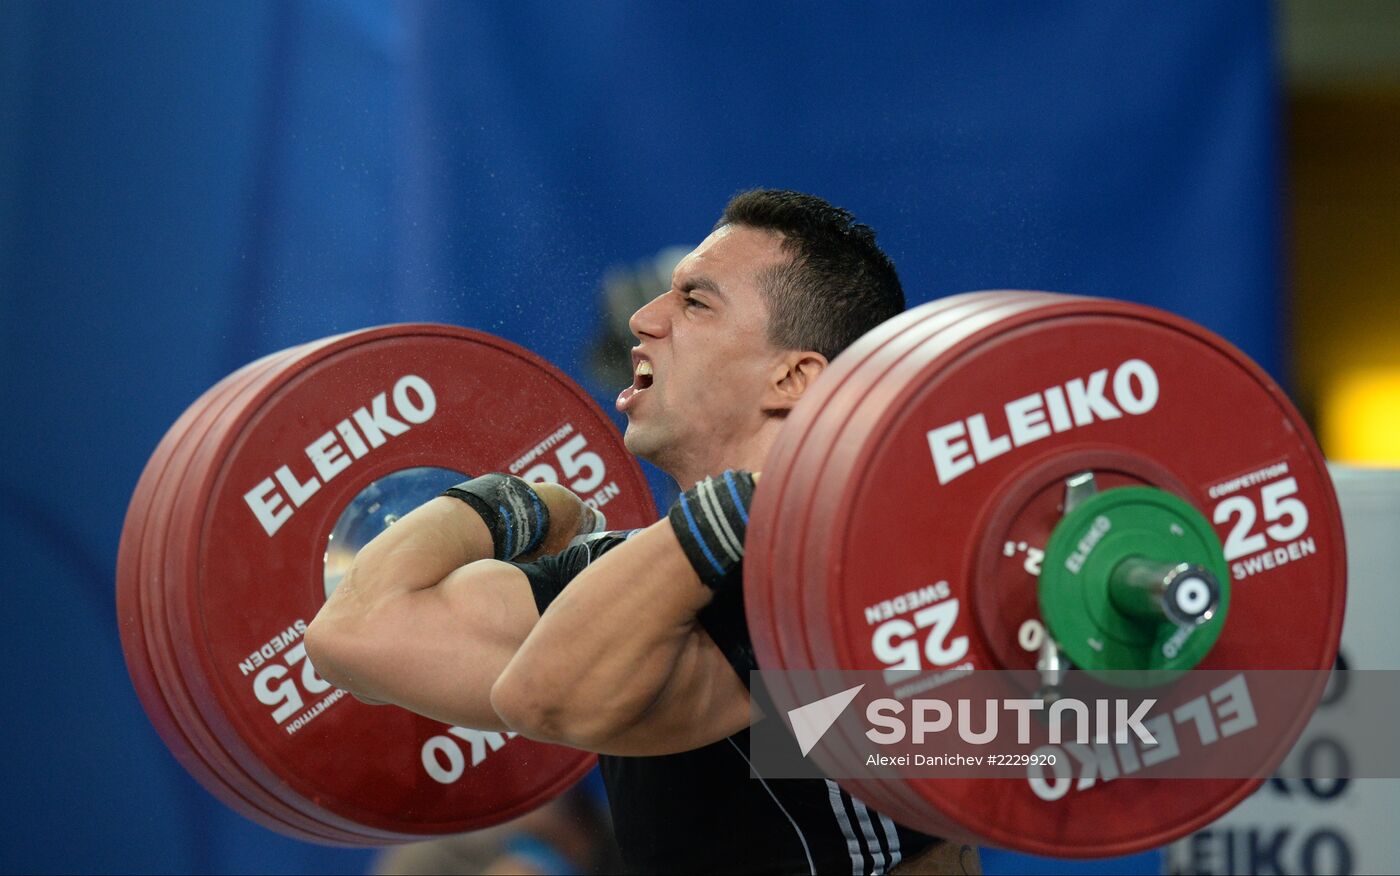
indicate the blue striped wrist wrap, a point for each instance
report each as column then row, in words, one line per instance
column 710, row 520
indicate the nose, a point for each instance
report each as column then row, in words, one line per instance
column 652, row 320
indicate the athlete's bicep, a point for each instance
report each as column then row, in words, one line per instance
column 705, row 698
column 702, row 702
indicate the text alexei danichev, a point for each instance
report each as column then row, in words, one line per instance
column 924, row 760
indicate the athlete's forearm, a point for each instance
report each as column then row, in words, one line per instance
column 414, row 554
column 417, row 551
column 436, row 651
column 355, row 629
column 607, row 649
column 378, row 620
column 424, row 620
column 425, row 546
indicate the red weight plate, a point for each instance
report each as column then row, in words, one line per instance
column 247, row 775
column 139, row 640
column 278, row 785
column 131, row 628
column 845, row 387
column 1140, row 398
column 248, row 779
column 239, row 790
column 434, row 396
column 244, row 784
column 303, row 818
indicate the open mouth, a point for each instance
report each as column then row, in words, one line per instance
column 642, row 377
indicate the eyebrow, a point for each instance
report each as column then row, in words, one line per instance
column 705, row 283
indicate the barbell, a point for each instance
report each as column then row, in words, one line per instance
column 995, row 480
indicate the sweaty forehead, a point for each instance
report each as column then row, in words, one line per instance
column 732, row 256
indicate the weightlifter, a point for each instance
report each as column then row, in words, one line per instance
column 475, row 610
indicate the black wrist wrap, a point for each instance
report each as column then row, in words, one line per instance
column 518, row 520
column 711, row 520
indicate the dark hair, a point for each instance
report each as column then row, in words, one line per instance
column 838, row 285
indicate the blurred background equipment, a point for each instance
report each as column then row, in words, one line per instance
column 1342, row 65
column 626, row 287
column 569, row 835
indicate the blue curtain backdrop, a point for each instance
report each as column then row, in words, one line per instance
column 184, row 187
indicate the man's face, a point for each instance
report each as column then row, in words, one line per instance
column 705, row 341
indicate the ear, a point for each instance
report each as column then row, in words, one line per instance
column 791, row 377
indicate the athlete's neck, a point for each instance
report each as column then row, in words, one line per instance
column 749, row 455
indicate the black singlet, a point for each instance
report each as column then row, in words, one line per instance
column 702, row 811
